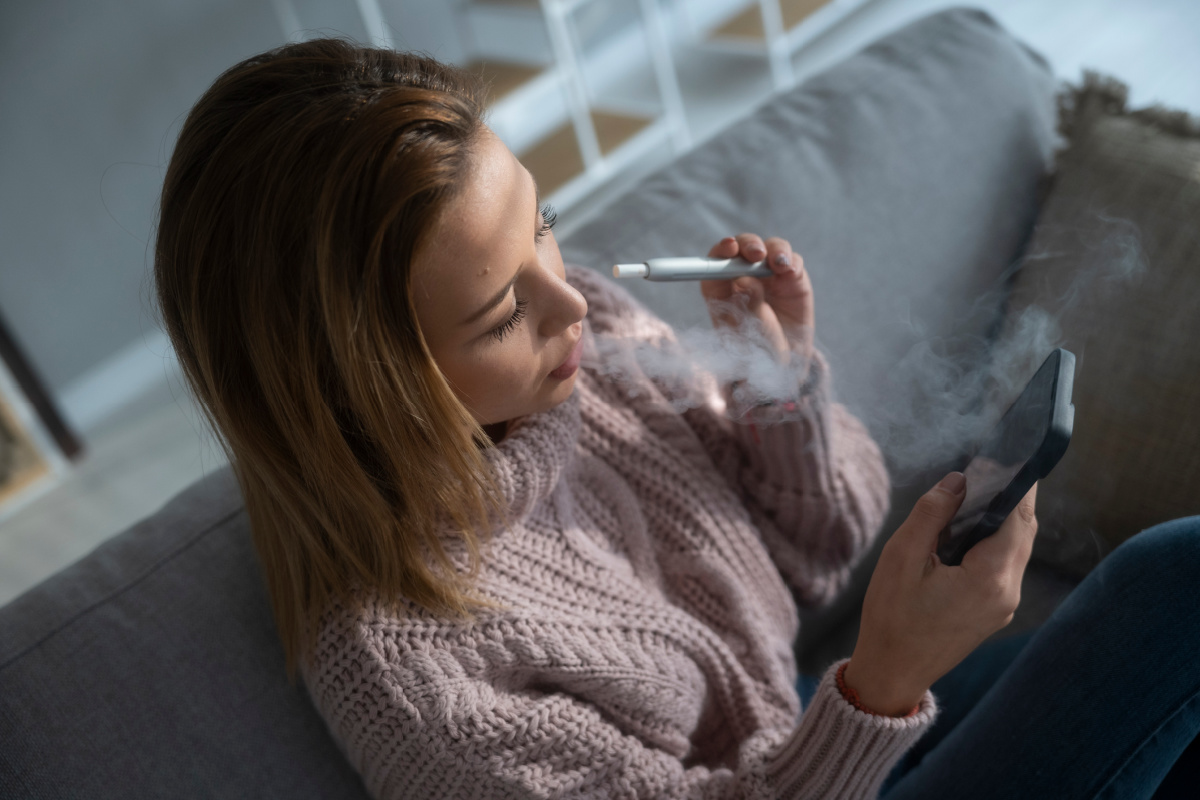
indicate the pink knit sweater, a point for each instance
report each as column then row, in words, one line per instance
column 648, row 649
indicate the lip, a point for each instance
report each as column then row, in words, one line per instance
column 567, row 368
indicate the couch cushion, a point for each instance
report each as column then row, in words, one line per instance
column 151, row 668
column 908, row 178
column 1113, row 274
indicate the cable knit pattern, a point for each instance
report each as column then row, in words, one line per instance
column 646, row 646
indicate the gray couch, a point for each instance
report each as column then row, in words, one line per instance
column 908, row 176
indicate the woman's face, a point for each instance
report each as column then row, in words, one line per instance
column 499, row 317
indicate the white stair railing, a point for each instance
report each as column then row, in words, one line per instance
column 565, row 51
column 779, row 55
column 660, row 46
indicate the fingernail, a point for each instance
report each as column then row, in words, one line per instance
column 782, row 260
column 954, row 483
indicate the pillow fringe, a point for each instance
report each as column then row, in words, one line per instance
column 1103, row 95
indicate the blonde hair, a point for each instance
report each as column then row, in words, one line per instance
column 300, row 188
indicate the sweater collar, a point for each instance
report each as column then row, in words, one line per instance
column 529, row 461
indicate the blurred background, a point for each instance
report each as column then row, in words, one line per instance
column 590, row 94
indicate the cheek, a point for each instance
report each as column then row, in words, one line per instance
column 497, row 374
column 497, row 385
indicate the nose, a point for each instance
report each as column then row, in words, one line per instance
column 563, row 307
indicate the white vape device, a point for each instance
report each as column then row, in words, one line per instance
column 692, row 269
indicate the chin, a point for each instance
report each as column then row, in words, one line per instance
column 561, row 392
column 554, row 397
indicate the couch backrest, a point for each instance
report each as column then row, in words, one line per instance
column 907, row 177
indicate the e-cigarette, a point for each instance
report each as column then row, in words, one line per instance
column 692, row 269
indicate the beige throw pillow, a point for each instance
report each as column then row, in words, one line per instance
column 1112, row 273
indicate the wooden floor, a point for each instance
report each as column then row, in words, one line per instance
column 501, row 78
column 557, row 159
column 150, row 451
column 748, row 23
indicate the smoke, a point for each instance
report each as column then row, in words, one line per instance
column 948, row 392
column 684, row 369
column 941, row 397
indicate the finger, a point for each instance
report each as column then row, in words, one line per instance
column 751, row 247
column 804, row 282
column 932, row 512
column 779, row 256
column 749, row 287
column 726, row 248
column 790, row 291
column 1025, row 526
column 1008, row 550
column 719, row 289
column 742, row 298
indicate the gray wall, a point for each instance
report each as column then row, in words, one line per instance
column 92, row 94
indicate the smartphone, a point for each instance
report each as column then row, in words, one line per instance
column 1023, row 447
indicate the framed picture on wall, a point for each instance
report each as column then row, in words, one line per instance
column 36, row 445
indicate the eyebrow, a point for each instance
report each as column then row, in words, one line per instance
column 500, row 295
column 495, row 301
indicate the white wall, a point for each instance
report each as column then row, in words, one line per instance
column 92, row 94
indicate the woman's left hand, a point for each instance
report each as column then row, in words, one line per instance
column 782, row 303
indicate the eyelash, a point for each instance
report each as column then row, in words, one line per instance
column 549, row 217
column 506, row 327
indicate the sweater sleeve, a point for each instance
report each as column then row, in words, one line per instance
column 811, row 476
column 808, row 471
column 429, row 723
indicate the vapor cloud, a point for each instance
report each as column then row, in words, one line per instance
column 685, row 368
column 947, row 392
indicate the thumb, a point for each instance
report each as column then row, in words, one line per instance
column 748, row 287
column 934, row 510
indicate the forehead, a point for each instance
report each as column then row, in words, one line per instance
column 480, row 238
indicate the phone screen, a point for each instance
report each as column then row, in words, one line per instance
column 1011, row 444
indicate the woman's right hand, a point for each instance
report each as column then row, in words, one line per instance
column 920, row 617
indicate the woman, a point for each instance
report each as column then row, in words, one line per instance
column 502, row 571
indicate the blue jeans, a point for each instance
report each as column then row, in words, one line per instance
column 1102, row 701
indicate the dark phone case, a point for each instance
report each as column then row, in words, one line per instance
column 1048, row 453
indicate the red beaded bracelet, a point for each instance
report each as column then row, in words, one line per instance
column 852, row 698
